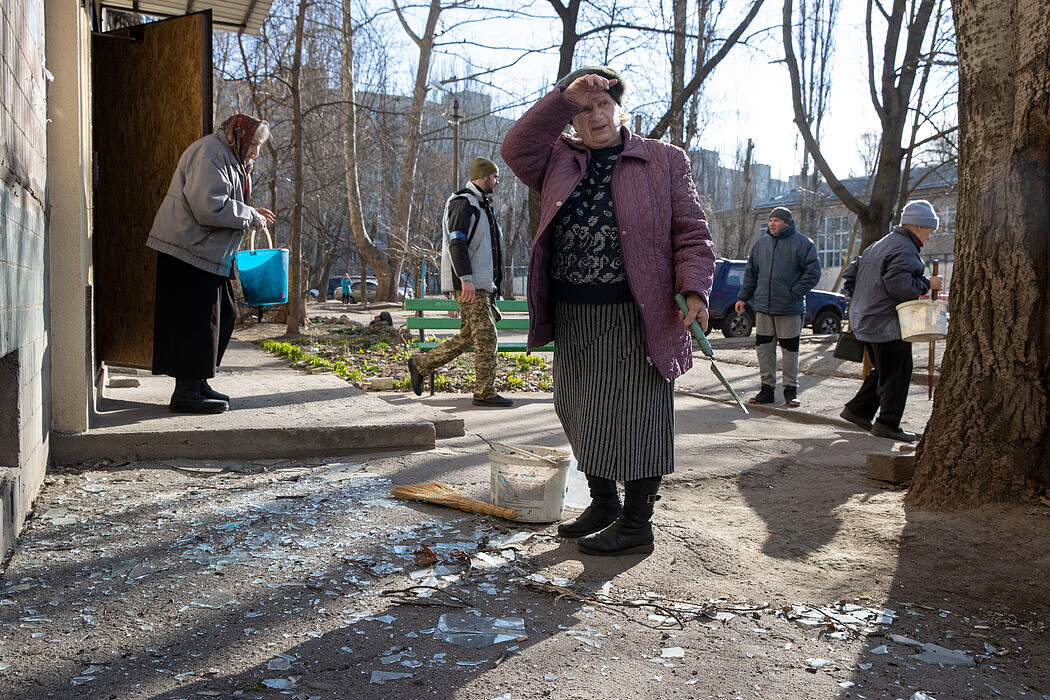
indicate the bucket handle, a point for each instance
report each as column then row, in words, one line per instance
column 512, row 448
column 269, row 241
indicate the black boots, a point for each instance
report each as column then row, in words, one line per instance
column 209, row 393
column 632, row 533
column 605, row 507
column 764, row 395
column 190, row 397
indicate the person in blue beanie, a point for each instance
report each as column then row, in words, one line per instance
column 887, row 273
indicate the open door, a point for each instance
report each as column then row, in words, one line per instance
column 151, row 98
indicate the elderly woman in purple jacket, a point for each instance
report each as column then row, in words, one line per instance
column 621, row 232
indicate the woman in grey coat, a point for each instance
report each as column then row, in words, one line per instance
column 196, row 231
column 887, row 273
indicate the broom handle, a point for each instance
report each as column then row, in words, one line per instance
column 512, row 448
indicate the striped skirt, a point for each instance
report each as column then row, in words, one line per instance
column 616, row 408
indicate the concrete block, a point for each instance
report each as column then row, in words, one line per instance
column 893, row 467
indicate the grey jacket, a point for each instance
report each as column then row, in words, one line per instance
column 887, row 273
column 780, row 270
column 204, row 214
column 485, row 262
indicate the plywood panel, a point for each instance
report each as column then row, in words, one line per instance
column 151, row 94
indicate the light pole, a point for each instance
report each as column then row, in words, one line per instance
column 454, row 120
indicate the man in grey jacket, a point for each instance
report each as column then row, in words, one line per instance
column 888, row 272
column 782, row 267
column 472, row 269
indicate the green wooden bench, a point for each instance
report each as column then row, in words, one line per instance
column 515, row 318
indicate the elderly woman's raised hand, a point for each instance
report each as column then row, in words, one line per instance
column 583, row 89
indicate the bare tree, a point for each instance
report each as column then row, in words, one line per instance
column 745, row 198
column 988, row 439
column 891, row 95
column 384, row 262
column 296, row 289
column 816, row 36
column 678, row 100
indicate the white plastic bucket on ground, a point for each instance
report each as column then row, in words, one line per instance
column 923, row 319
column 530, row 479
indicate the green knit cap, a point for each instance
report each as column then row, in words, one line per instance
column 615, row 91
column 482, row 167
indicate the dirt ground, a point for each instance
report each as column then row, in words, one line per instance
column 780, row 571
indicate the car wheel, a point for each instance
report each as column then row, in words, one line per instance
column 737, row 325
column 827, row 322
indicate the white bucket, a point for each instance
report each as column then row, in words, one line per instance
column 923, row 319
column 530, row 479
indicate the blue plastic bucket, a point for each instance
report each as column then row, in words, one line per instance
column 263, row 273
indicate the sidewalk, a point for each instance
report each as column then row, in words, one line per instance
column 276, row 412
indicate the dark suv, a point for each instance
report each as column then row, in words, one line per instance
column 824, row 310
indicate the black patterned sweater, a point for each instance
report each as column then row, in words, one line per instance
column 587, row 265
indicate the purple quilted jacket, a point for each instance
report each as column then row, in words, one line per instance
column 663, row 231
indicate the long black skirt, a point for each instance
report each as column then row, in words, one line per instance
column 193, row 319
column 616, row 408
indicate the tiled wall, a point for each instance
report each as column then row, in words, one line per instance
column 24, row 383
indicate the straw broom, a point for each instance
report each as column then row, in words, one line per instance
column 441, row 494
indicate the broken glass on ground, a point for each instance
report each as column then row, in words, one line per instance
column 474, row 631
column 936, row 654
column 381, row 677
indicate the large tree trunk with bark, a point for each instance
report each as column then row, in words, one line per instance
column 988, row 439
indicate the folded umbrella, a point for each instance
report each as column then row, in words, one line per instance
column 705, row 347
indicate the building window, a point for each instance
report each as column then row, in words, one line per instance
column 833, row 240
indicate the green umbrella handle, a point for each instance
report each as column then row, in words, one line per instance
column 698, row 332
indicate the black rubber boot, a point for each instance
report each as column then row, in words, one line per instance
column 632, row 533
column 604, row 509
column 209, row 393
column 187, row 398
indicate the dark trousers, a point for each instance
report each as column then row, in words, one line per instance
column 885, row 389
column 192, row 321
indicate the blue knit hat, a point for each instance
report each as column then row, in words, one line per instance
column 919, row 212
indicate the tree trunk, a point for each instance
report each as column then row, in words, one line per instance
column 678, row 41
column 368, row 252
column 296, row 297
column 988, row 439
column 403, row 209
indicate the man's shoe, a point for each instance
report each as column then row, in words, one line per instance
column 764, row 395
column 884, row 431
column 187, row 398
column 859, row 421
column 791, row 397
column 416, row 377
column 209, row 393
column 495, row 401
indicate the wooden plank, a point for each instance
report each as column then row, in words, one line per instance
column 151, row 96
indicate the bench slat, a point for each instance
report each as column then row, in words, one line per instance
column 509, row 305
column 438, row 323
column 501, row 347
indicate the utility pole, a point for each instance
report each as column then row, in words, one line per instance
column 454, row 120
